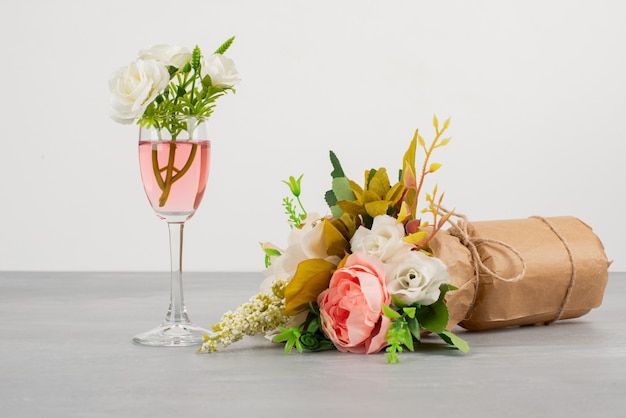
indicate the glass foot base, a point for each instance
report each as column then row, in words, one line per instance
column 171, row 334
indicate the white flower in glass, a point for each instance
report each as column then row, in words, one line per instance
column 168, row 55
column 134, row 87
column 221, row 70
column 416, row 277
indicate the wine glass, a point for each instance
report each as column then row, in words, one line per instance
column 174, row 162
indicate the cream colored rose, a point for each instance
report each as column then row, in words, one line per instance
column 416, row 277
column 384, row 240
column 302, row 244
column 221, row 69
column 134, row 87
column 168, row 55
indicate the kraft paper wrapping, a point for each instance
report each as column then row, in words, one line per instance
column 529, row 271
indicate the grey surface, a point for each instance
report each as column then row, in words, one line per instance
column 66, row 351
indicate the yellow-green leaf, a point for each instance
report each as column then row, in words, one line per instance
column 356, row 189
column 446, row 124
column 377, row 208
column 434, row 167
column 405, row 212
column 379, row 184
column 311, row 278
column 395, row 193
column 416, row 238
column 336, row 243
column 346, row 225
column 370, row 196
column 410, row 199
column 409, row 155
column 351, row 207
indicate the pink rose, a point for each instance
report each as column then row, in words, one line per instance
column 351, row 307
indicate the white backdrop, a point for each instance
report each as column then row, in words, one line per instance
column 536, row 91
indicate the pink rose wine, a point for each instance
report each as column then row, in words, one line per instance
column 174, row 176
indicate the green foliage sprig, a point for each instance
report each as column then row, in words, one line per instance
column 408, row 321
column 306, row 336
column 296, row 214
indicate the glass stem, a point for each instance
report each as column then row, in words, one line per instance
column 177, row 312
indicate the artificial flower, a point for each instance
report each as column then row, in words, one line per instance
column 416, row 278
column 134, row 87
column 168, row 55
column 351, row 308
column 221, row 70
column 384, row 240
column 303, row 244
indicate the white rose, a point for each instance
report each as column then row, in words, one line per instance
column 134, row 87
column 384, row 240
column 302, row 244
column 168, row 55
column 416, row 277
column 221, row 69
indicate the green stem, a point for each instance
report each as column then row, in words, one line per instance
column 155, row 167
column 172, row 174
column 301, row 206
column 168, row 175
column 187, row 166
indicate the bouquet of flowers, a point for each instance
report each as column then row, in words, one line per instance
column 362, row 279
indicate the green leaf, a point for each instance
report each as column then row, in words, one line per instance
column 289, row 337
column 390, row 313
column 433, row 317
column 224, row 47
column 314, row 325
column 337, row 170
column 331, row 201
column 414, row 327
column 407, row 339
column 398, row 302
column 445, row 288
column 340, row 191
column 341, row 188
column 271, row 252
column 409, row 311
column 455, row 341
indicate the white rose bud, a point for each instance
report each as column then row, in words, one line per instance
column 221, row 69
column 416, row 277
column 134, row 87
column 168, row 55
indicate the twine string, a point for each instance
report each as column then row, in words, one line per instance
column 570, row 255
